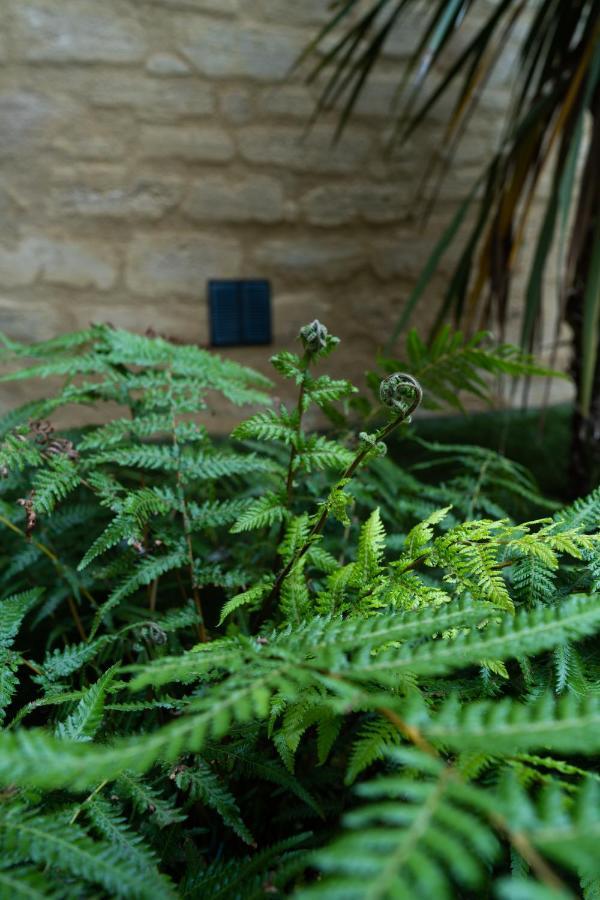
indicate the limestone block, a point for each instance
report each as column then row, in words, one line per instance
column 184, row 319
column 27, row 118
column 378, row 96
column 19, row 264
column 166, row 64
column 293, row 309
column 305, row 259
column 163, row 265
column 236, row 105
column 400, row 42
column 153, row 99
column 331, row 205
column 23, row 319
column 308, row 12
column 79, row 264
column 142, row 198
column 189, row 143
column 293, row 101
column 218, row 199
column 10, row 207
column 239, row 50
column 222, row 7
column 86, row 144
column 404, row 254
column 288, row 147
column 76, row 31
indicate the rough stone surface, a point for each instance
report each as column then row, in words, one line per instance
column 80, row 31
column 153, row 98
column 179, row 264
column 148, row 145
column 167, row 64
column 30, row 320
column 18, row 265
column 332, row 205
column 221, row 7
column 305, row 260
column 27, row 117
column 292, row 101
column 193, row 144
column 224, row 50
column 308, row 12
column 221, row 199
column 236, row 105
column 55, row 261
column 141, row 199
column 290, row 148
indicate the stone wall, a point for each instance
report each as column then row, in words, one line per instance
column 148, row 145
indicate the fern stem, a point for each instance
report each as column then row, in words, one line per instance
column 186, row 521
column 518, row 839
column 76, row 618
column 408, row 731
column 320, row 523
column 534, row 860
column 60, row 568
column 305, row 362
column 30, row 665
column 152, row 591
column 96, row 790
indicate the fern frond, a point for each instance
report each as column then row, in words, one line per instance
column 12, row 612
column 569, row 725
column 267, row 426
column 203, row 785
column 84, row 722
column 129, row 846
column 412, row 838
column 528, row 633
column 250, row 597
column 371, row 546
column 374, row 740
column 147, row 570
column 50, row 839
column 53, row 483
column 147, row 800
column 265, row 511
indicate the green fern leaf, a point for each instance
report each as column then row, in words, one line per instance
column 84, row 722
column 203, row 785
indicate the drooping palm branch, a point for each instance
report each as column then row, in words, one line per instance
column 553, row 120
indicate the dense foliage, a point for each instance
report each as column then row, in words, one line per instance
column 547, row 56
column 282, row 664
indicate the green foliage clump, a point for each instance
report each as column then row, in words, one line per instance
column 282, row 664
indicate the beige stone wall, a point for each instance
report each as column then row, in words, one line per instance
column 148, row 145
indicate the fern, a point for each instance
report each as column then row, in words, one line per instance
column 453, row 364
column 52, row 840
column 203, row 785
column 215, row 654
column 419, row 837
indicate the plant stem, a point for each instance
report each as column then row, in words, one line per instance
column 408, row 731
column 299, row 413
column 186, row 524
column 320, row 523
column 518, row 839
column 60, row 568
column 152, row 595
column 87, row 800
column 76, row 618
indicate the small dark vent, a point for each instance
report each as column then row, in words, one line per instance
column 240, row 312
